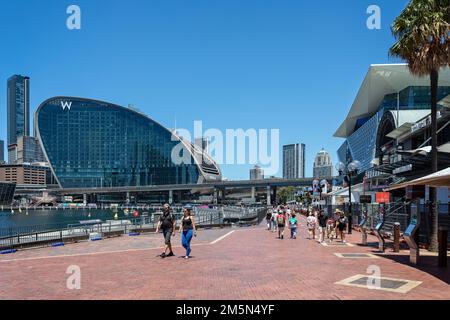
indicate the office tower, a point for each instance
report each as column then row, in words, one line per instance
column 18, row 108
column 294, row 161
column 256, row 173
column 323, row 167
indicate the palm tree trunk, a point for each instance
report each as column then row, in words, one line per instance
column 434, row 77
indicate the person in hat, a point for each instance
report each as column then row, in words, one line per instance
column 187, row 229
column 167, row 223
column 336, row 216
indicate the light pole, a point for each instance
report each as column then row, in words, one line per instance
column 352, row 170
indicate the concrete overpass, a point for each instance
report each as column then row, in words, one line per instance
column 218, row 188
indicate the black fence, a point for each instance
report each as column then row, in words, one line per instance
column 393, row 213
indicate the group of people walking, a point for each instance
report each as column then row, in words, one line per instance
column 328, row 227
column 187, row 229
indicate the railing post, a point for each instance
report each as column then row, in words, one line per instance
column 397, row 237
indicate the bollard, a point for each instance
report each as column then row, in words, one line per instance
column 397, row 237
column 442, row 238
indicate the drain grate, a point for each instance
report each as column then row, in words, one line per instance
column 386, row 284
column 356, row 255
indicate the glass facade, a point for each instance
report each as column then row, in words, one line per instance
column 18, row 104
column 97, row 144
column 7, row 193
column 361, row 144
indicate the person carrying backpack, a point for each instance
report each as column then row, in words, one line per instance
column 281, row 222
column 167, row 224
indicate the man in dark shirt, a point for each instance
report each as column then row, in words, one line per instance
column 167, row 224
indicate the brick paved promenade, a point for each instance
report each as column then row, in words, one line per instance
column 248, row 263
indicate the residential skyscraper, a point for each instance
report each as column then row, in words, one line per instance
column 323, row 167
column 18, row 108
column 2, row 151
column 294, row 161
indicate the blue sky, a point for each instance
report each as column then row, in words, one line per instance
column 289, row 65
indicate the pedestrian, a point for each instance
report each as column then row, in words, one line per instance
column 311, row 223
column 322, row 220
column 293, row 224
column 330, row 229
column 274, row 220
column 187, row 229
column 167, row 223
column 342, row 224
column 281, row 222
column 269, row 219
column 336, row 216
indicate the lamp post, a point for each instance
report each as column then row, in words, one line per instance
column 352, row 170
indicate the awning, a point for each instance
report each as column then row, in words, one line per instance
column 437, row 179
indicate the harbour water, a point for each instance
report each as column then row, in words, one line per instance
column 59, row 218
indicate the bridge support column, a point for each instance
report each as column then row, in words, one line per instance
column 253, row 193
column 84, row 198
column 170, row 196
column 128, row 198
column 269, row 195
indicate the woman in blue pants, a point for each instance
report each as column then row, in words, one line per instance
column 187, row 229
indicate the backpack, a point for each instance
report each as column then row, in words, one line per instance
column 280, row 219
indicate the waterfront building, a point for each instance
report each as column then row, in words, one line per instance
column 29, row 174
column 389, row 97
column 389, row 122
column 91, row 143
column 257, row 173
column 294, row 161
column 7, row 190
column 27, row 150
column 323, row 166
column 18, row 108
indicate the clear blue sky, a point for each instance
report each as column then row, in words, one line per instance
column 293, row 65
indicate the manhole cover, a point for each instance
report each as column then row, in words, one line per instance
column 356, row 255
column 380, row 283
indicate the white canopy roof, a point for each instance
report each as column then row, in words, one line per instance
column 381, row 80
column 437, row 179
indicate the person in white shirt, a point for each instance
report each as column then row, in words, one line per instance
column 311, row 223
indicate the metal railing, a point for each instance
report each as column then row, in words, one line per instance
column 45, row 235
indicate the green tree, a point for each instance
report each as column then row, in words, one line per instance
column 422, row 32
column 285, row 194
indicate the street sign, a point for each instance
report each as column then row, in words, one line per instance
column 365, row 198
column 382, row 197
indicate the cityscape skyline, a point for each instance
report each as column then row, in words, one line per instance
column 181, row 83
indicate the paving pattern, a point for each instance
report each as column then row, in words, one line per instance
column 238, row 263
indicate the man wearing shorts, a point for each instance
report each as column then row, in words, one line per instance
column 281, row 222
column 167, row 224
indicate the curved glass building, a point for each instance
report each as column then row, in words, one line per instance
column 90, row 143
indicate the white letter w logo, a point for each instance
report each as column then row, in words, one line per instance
column 65, row 104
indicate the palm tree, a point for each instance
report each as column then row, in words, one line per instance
column 422, row 32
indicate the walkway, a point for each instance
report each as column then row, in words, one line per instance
column 245, row 263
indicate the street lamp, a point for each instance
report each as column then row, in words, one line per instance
column 352, row 170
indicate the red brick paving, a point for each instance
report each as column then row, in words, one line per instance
column 250, row 263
